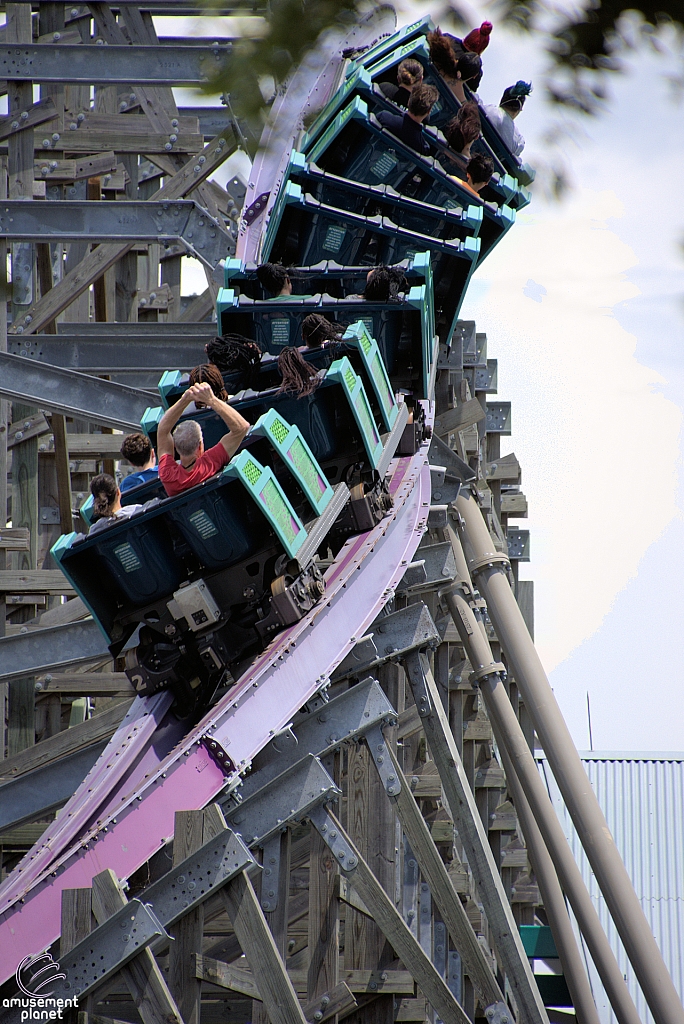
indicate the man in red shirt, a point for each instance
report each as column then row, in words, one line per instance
column 196, row 464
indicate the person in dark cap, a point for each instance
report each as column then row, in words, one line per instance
column 503, row 116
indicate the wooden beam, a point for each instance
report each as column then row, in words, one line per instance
column 91, row 731
column 34, row 581
column 434, row 872
column 464, row 415
column 59, row 431
column 142, row 975
column 199, row 309
column 36, row 113
column 187, row 933
column 91, row 684
column 76, row 918
column 461, row 799
column 259, row 947
column 324, row 939
column 104, row 256
column 15, row 539
column 401, row 939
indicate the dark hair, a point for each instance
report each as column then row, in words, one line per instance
column 137, row 449
column 515, row 95
column 103, row 489
column 464, row 128
column 384, row 283
column 409, row 72
column 272, row 277
column 299, row 377
column 480, row 167
column 316, row 330
column 423, row 99
column 442, row 53
column 469, row 65
column 233, row 353
column 208, row 373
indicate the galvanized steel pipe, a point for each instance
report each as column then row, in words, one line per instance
column 487, row 566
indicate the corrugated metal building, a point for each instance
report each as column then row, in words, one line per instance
column 642, row 797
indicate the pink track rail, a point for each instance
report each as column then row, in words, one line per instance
column 123, row 813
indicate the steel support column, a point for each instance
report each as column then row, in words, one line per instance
column 488, row 568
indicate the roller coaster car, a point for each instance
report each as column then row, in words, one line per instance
column 404, row 329
column 381, row 67
column 356, row 147
column 207, row 575
column 503, row 187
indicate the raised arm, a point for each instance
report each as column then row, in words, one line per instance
column 169, row 421
column 237, row 425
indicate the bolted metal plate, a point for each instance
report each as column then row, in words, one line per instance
column 498, row 1013
column 438, row 568
column 194, row 880
column 393, row 636
column 456, row 470
column 498, row 418
column 288, row 797
column 107, row 949
column 518, row 544
column 270, row 877
column 334, row 840
column 167, row 65
column 382, row 761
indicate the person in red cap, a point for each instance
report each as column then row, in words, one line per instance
column 478, row 40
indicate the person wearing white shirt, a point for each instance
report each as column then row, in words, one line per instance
column 502, row 118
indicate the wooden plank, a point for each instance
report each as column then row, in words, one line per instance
column 464, row 415
column 91, row 684
column 324, row 925
column 236, row 979
column 187, row 933
column 49, row 169
column 23, row 835
column 514, row 504
column 76, row 918
column 358, row 982
column 505, row 468
column 34, row 581
column 411, row 1009
column 25, row 427
column 66, row 519
column 408, row 723
column 254, row 936
column 101, row 727
column 461, row 800
column 15, row 538
column 199, row 309
column 434, row 872
column 106, row 255
column 61, row 614
column 142, row 975
column 36, row 113
column 402, row 941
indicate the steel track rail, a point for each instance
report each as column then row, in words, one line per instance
column 123, row 829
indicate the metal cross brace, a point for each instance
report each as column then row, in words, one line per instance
column 433, row 566
column 139, row 924
column 74, row 394
column 289, row 797
column 107, row 949
column 345, row 717
column 111, row 65
column 390, row 637
column 145, row 220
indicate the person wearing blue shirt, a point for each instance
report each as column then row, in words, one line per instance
column 137, row 450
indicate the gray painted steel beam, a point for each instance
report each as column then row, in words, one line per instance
column 162, row 221
column 110, row 353
column 390, row 637
column 44, row 649
column 124, row 65
column 74, row 394
column 45, row 789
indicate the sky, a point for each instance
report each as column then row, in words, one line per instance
column 583, row 305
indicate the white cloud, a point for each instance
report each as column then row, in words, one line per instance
column 597, row 441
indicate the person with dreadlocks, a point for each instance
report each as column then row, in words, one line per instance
column 207, row 373
column 274, row 278
column 233, row 353
column 317, row 331
column 383, row 284
column 299, row 377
